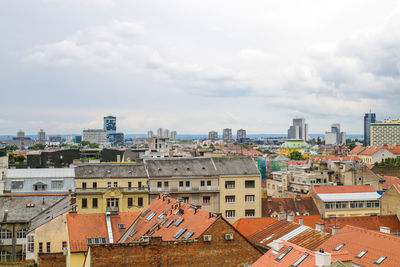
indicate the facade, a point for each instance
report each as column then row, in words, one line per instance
column 111, row 187
column 390, row 201
column 373, row 154
column 98, row 136
column 227, row 134
column 116, row 138
column 42, row 181
column 213, row 135
column 346, row 200
column 241, row 134
column 296, row 206
column 368, row 119
column 160, row 133
column 150, row 134
column 335, row 136
column 299, row 129
column 292, row 145
column 386, row 132
column 160, row 144
column 41, row 137
column 110, row 124
column 173, row 135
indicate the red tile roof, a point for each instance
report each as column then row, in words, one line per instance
column 389, row 180
column 296, row 205
column 82, row 226
column 394, row 149
column 337, row 158
column 356, row 150
column 194, row 220
column 377, row 244
column 335, row 189
column 371, row 150
column 367, row 222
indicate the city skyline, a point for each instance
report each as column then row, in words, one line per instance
column 195, row 67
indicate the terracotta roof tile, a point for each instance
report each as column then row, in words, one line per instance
column 394, row 149
column 310, row 238
column 389, row 180
column 296, row 205
column 371, row 150
column 332, row 189
column 356, row 150
column 377, row 244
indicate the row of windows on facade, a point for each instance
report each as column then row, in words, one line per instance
column 31, row 245
column 352, row 204
column 247, row 184
column 7, row 234
column 111, row 202
column 182, row 183
column 7, row 256
column 39, row 186
column 110, row 184
column 247, row 213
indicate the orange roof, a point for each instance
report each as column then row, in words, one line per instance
column 83, row 226
column 367, row 222
column 394, row 149
column 337, row 158
column 356, row 150
column 160, row 217
column 297, row 205
column 335, row 189
column 389, row 180
column 376, row 244
column 371, row 150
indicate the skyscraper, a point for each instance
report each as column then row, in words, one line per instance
column 41, row 137
column 335, row 136
column 110, row 124
column 368, row 119
column 150, row 134
column 213, row 135
column 241, row 134
column 227, row 134
column 160, row 133
column 174, row 135
column 299, row 129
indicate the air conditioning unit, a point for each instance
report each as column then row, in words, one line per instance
column 207, row 238
column 228, row 236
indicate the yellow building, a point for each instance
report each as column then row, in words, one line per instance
column 385, row 132
column 292, row 145
column 111, row 187
column 346, row 200
column 390, row 201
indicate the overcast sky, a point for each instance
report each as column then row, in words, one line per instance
column 196, row 66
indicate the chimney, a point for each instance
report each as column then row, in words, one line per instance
column 385, row 229
column 281, row 216
column 301, row 220
column 290, row 217
column 322, row 258
column 335, row 229
column 277, row 245
column 319, row 227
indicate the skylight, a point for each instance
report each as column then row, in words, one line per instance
column 145, row 212
column 180, row 232
column 379, row 261
column 362, row 253
column 178, row 222
column 265, row 239
column 284, row 254
column 188, row 235
column 339, row 247
column 300, row 260
column 169, row 223
column 151, row 216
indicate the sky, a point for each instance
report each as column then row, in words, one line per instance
column 195, row 66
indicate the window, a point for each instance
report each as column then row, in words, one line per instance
column 229, row 199
column 96, row 240
column 180, row 183
column 178, row 222
column 21, row 233
column 300, row 260
column 186, row 199
column 208, row 183
column 40, row 247
column 130, row 202
column 230, row 184
column 230, row 214
column 188, row 235
column 94, row 203
column 362, row 253
column 40, row 186
column 202, row 183
column 329, row 205
column 379, row 261
column 180, row 232
column 249, row 198
column 5, row 255
column 187, row 183
column 139, row 184
column 84, row 203
column 83, row 185
column 130, row 185
column 249, row 184
column 249, row 213
column 17, row 184
column 338, row 247
column 140, row 201
column 94, row 185
column 108, row 184
column 165, row 184
column 64, row 245
column 48, row 247
column 159, row 184
column 280, row 257
column 112, row 202
column 206, row 200
column 31, row 243
column 151, row 216
column 115, row 184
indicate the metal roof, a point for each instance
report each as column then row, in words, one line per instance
column 40, row 173
column 291, row 234
column 349, row 196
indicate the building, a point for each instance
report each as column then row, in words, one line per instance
column 166, row 133
column 390, row 201
column 160, row 144
column 373, row 154
column 241, row 134
column 160, row 133
column 150, row 134
column 335, row 136
column 213, row 135
column 366, row 247
column 111, row 187
column 299, row 129
column 296, row 206
column 346, row 200
column 174, row 233
column 20, row 141
column 42, row 181
column 110, row 124
column 174, row 135
column 55, row 139
column 41, row 137
column 78, row 139
column 368, row 119
column 386, row 132
column 292, row 145
column 227, row 135
column 116, row 138
column 98, row 136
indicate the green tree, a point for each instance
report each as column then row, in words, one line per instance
column 296, row 155
column 85, row 143
column 37, row 147
column 11, row 148
column 93, row 145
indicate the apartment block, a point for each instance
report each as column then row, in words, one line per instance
column 386, row 132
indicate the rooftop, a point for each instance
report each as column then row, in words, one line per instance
column 389, row 180
column 41, row 173
column 296, row 205
column 331, row 189
column 125, row 170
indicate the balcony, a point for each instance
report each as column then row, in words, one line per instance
column 112, row 209
column 142, row 189
column 185, row 189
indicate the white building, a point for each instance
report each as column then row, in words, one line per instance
column 98, row 136
column 299, row 129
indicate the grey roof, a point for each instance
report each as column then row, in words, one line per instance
column 124, row 170
column 200, row 166
column 40, row 173
column 62, row 206
column 22, row 208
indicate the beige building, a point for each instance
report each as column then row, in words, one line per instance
column 385, row 132
column 111, row 187
column 390, row 201
column 373, row 154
